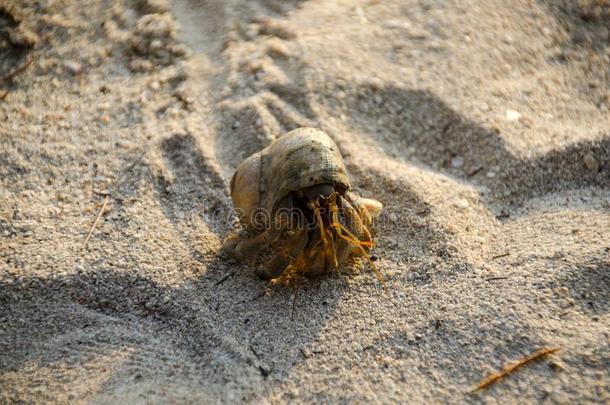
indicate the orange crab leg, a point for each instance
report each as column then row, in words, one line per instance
column 329, row 247
column 332, row 249
column 358, row 244
column 340, row 228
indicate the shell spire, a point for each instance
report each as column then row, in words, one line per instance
column 301, row 158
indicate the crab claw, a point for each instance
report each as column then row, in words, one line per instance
column 368, row 208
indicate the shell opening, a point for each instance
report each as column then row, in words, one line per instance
column 328, row 226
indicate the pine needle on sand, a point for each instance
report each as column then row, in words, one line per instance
column 511, row 367
column 97, row 219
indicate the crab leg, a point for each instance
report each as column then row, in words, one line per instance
column 292, row 251
column 329, row 251
column 340, row 228
column 350, row 238
column 332, row 251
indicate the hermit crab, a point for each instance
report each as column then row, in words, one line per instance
column 298, row 214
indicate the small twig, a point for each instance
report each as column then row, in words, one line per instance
column 225, row 278
column 254, row 352
column 500, row 256
column 107, row 197
column 495, row 278
column 508, row 369
column 475, row 171
column 264, row 372
column 423, row 211
column 17, row 70
column 97, row 219
column 102, row 192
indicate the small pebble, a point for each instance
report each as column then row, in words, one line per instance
column 491, row 174
column 462, row 203
column 276, row 28
column 157, row 6
column 393, row 24
column 512, row 115
column 457, row 162
column 155, row 45
column 277, row 48
column 251, row 34
column 73, row 67
column 591, row 163
column 556, row 366
column 376, row 84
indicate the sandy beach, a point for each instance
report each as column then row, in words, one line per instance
column 483, row 126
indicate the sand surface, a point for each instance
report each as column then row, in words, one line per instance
column 482, row 125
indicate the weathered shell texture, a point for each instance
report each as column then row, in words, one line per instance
column 245, row 186
column 301, row 158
